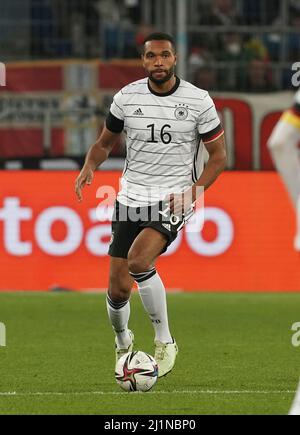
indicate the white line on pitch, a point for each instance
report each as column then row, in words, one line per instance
column 295, row 409
column 115, row 393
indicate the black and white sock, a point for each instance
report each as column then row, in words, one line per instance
column 118, row 313
column 153, row 296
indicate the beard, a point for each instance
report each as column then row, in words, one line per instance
column 169, row 74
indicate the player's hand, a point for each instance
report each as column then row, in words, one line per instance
column 85, row 177
column 181, row 203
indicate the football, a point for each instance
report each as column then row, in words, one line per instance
column 136, row 371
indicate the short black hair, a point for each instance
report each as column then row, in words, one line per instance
column 160, row 36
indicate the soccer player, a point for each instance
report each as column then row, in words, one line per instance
column 283, row 145
column 167, row 120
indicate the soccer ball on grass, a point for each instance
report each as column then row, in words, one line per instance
column 136, row 371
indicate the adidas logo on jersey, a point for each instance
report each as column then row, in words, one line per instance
column 167, row 226
column 138, row 112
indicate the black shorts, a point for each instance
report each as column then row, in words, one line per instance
column 128, row 222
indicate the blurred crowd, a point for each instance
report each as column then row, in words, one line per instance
column 222, row 53
column 257, row 61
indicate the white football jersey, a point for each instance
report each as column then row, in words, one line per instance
column 164, row 135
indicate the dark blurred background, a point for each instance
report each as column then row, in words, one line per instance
column 247, row 44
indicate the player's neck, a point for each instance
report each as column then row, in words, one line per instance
column 162, row 88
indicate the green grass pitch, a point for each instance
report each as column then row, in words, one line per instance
column 235, row 355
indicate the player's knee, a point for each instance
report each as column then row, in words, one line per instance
column 138, row 263
column 118, row 294
column 118, row 291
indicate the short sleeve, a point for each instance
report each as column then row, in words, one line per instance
column 208, row 119
column 116, row 108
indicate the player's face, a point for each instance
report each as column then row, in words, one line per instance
column 159, row 60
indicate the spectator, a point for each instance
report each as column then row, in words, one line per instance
column 293, row 37
column 110, row 15
column 234, row 58
column 257, row 49
column 223, row 13
column 42, row 28
column 134, row 10
column 290, row 40
column 259, row 12
column 199, row 57
column 258, row 77
column 142, row 32
column 206, row 78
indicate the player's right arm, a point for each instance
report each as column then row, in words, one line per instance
column 99, row 152
column 286, row 133
column 96, row 155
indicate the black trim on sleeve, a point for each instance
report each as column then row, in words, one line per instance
column 210, row 135
column 114, row 124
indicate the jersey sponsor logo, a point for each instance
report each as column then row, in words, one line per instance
column 181, row 113
column 138, row 112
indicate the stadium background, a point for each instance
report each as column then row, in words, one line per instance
column 235, row 299
column 65, row 60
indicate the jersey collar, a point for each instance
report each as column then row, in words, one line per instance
column 165, row 94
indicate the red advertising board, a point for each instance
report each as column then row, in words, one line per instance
column 49, row 239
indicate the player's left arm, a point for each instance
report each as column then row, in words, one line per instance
column 181, row 203
column 212, row 135
column 214, row 166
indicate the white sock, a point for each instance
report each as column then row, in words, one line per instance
column 153, row 295
column 118, row 313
